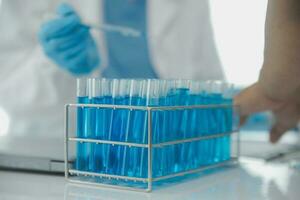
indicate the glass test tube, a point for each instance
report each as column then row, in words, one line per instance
column 150, row 93
column 122, row 120
column 227, row 92
column 194, row 125
column 206, row 122
column 97, row 98
column 82, row 161
column 103, row 123
column 139, row 127
column 129, row 160
column 217, row 121
column 170, row 117
column 111, row 150
column 183, row 89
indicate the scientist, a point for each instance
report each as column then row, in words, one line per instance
column 278, row 87
column 178, row 44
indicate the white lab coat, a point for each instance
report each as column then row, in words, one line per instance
column 33, row 90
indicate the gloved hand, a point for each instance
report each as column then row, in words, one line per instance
column 69, row 43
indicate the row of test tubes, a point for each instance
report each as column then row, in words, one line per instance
column 127, row 125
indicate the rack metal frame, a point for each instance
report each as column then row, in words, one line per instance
column 149, row 180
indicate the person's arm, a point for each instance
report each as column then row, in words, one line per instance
column 278, row 87
column 280, row 75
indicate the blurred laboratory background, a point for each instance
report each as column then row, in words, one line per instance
column 34, row 90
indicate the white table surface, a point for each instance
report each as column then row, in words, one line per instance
column 250, row 180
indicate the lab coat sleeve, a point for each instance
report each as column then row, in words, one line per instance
column 33, row 89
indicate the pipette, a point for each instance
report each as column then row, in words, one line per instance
column 123, row 30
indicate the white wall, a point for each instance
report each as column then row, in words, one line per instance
column 239, row 33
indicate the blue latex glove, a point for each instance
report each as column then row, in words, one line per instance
column 69, row 43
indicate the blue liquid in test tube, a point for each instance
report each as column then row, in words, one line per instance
column 151, row 91
column 102, row 123
column 122, row 121
column 82, row 154
column 183, row 97
column 228, row 119
column 89, row 129
column 170, row 132
column 229, row 124
column 194, row 127
column 218, row 129
column 207, row 126
column 137, row 121
column 111, row 151
column 84, row 126
column 139, row 135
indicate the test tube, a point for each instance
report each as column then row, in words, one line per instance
column 149, row 92
column 89, row 130
column 98, row 154
column 217, row 120
column 122, row 121
column 182, row 99
column 227, row 92
column 134, row 127
column 158, row 95
column 170, row 117
column 139, row 126
column 81, row 150
column 142, row 160
column 111, row 150
column 85, row 124
column 195, row 124
column 97, row 99
column 207, row 121
column 103, row 89
column 202, row 122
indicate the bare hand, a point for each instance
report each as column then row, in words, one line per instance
column 286, row 113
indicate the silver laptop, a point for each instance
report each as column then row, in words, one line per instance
column 34, row 154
